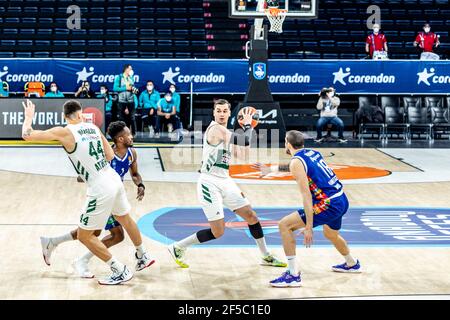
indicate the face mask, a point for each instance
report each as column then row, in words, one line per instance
column 131, row 73
column 376, row 30
column 168, row 99
column 53, row 89
column 172, row 90
column 149, row 88
column 102, row 91
column 426, row 30
column 332, row 94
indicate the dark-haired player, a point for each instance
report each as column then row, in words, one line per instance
column 324, row 204
column 89, row 152
column 125, row 158
column 216, row 189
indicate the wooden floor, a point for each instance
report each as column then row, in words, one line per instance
column 35, row 205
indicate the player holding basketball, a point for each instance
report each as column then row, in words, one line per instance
column 324, row 203
column 215, row 188
column 125, row 159
column 89, row 152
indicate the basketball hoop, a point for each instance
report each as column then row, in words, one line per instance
column 276, row 17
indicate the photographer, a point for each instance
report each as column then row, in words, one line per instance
column 104, row 93
column 328, row 105
column 84, row 91
column 127, row 101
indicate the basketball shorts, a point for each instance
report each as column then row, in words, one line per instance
column 102, row 201
column 215, row 193
column 331, row 216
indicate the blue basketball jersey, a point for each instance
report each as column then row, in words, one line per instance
column 323, row 182
column 122, row 165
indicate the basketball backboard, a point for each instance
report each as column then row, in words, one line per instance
column 297, row 9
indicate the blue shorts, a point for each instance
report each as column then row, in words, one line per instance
column 112, row 223
column 332, row 216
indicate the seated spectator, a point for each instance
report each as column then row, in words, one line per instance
column 328, row 105
column 127, row 97
column 84, row 91
column 426, row 40
column 175, row 97
column 148, row 102
column 4, row 93
column 376, row 42
column 104, row 93
column 167, row 113
column 54, row 91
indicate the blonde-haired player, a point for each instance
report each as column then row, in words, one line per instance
column 216, row 189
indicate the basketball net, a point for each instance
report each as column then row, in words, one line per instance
column 276, row 18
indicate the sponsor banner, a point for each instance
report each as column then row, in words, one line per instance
column 49, row 113
column 231, row 76
column 361, row 226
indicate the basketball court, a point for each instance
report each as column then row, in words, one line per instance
column 397, row 227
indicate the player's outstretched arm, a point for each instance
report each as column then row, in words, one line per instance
column 137, row 179
column 299, row 173
column 28, row 134
column 265, row 169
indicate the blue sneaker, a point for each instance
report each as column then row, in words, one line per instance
column 345, row 268
column 287, row 280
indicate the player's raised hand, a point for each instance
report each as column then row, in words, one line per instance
column 308, row 234
column 140, row 193
column 29, row 108
column 264, row 169
column 247, row 116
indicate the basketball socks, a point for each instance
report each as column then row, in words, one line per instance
column 64, row 238
column 350, row 260
column 258, row 234
column 87, row 256
column 291, row 265
column 189, row 241
column 115, row 265
column 140, row 250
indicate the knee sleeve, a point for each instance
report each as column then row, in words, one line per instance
column 205, row 235
column 256, row 230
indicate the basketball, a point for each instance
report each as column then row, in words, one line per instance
column 255, row 117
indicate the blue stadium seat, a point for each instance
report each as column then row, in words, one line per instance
column 147, row 55
column 341, row 44
column 130, row 54
column 166, row 32
column 276, row 55
column 12, row 20
column 94, row 43
column 97, row 9
column 182, row 55
column 4, row 54
column 28, row 20
column 24, row 42
column 7, row 42
column 45, row 20
column 60, row 43
column 295, row 55
column 27, row 31
column 61, row 31
column 60, row 54
column 41, row 54
column 181, row 32
column 330, row 56
column 327, row 43
column 96, row 31
column 130, row 32
column 95, row 55
column 44, row 31
column 130, row 43
column 10, row 31
column 77, row 54
column 42, row 42
column 112, row 54
column 30, row 9
column 112, row 43
column 312, row 55
column 23, row 54
column 347, row 56
column 164, row 55
column 181, row 43
column 77, row 42
column 96, row 20
column 147, row 42
column 113, row 31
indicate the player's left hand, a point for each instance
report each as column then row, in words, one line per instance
column 264, row 169
column 308, row 234
column 29, row 108
column 140, row 193
column 247, row 116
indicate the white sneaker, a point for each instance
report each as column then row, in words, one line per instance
column 151, row 133
column 144, row 262
column 178, row 255
column 47, row 249
column 342, row 140
column 80, row 266
column 117, row 277
column 157, row 135
column 170, row 128
column 319, row 140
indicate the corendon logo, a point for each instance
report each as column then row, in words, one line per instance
column 424, row 77
column 341, row 77
column 84, row 75
column 176, row 76
column 11, row 77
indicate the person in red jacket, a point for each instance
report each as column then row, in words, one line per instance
column 376, row 41
column 427, row 40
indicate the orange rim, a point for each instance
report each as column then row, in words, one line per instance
column 274, row 12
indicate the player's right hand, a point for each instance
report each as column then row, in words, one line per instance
column 29, row 108
column 247, row 116
column 308, row 234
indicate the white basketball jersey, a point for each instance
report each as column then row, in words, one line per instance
column 216, row 158
column 88, row 157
